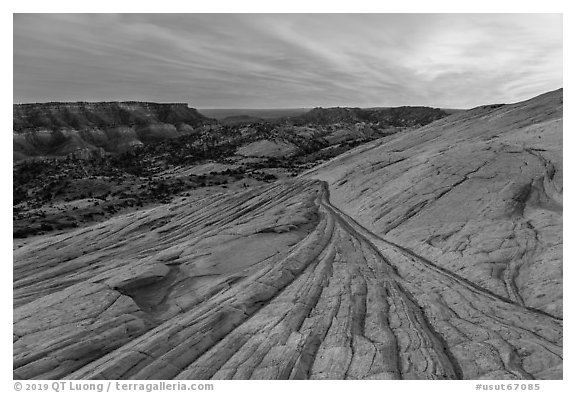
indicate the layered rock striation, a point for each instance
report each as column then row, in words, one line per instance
column 62, row 128
column 431, row 254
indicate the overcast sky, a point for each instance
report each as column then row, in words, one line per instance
column 287, row 60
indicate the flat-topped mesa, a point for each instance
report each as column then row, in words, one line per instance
column 86, row 115
column 62, row 128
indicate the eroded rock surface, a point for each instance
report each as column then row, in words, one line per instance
column 478, row 193
column 434, row 254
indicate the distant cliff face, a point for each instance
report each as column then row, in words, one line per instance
column 57, row 128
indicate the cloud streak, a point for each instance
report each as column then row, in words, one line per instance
column 287, row 60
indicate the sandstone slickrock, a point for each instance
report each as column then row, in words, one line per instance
column 431, row 254
column 478, row 193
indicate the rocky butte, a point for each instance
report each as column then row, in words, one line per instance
column 433, row 253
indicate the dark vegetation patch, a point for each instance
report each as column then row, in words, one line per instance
column 58, row 193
